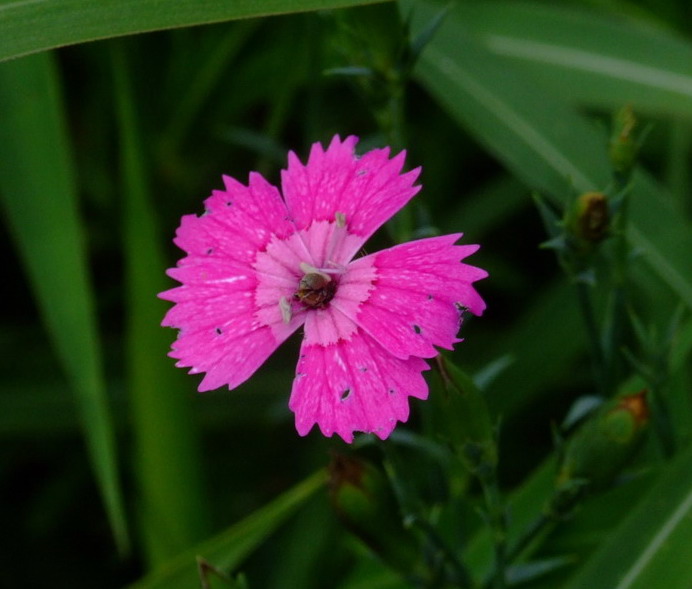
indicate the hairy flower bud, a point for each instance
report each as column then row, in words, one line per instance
column 599, row 450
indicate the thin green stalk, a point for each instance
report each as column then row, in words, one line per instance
column 662, row 422
column 617, row 316
column 596, row 346
column 539, row 525
column 497, row 521
column 461, row 579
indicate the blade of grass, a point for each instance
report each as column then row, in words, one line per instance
column 647, row 548
column 588, row 56
column 546, row 143
column 36, row 25
column 38, row 191
column 227, row 550
column 173, row 515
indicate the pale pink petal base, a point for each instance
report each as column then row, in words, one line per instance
column 354, row 385
column 420, row 290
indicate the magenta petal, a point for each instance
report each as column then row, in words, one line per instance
column 419, row 290
column 220, row 333
column 238, row 222
column 366, row 190
column 225, row 329
column 354, row 385
column 226, row 361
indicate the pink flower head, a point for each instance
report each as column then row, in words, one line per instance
column 259, row 266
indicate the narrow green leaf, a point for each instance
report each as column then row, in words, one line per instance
column 588, row 56
column 38, row 192
column 227, row 550
column 172, row 515
column 649, row 549
column 545, row 142
column 36, row 25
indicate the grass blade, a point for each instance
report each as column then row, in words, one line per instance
column 227, row 550
column 39, row 195
column 646, row 550
column 36, row 25
column 546, row 143
column 172, row 515
column 588, row 56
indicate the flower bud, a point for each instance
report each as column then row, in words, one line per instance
column 590, row 218
column 624, row 144
column 364, row 501
column 598, row 451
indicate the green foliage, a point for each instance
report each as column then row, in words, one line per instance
column 586, row 106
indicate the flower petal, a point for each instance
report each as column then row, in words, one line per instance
column 238, row 222
column 225, row 330
column 354, row 385
column 420, row 289
column 366, row 190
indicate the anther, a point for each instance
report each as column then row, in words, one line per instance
column 306, row 268
column 285, row 307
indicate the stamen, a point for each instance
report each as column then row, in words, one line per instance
column 286, row 312
column 339, row 232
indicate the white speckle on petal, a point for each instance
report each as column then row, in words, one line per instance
column 229, row 280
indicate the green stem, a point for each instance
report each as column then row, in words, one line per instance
column 498, row 525
column 391, row 123
column 533, row 530
column 662, row 422
column 461, row 579
column 596, row 347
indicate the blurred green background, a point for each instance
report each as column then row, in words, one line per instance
column 112, row 466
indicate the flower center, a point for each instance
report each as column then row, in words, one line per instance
column 315, row 290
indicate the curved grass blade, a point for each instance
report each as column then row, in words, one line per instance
column 29, row 26
column 227, row 550
column 650, row 546
column 587, row 56
column 38, row 192
column 542, row 140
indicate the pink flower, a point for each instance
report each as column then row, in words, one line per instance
column 259, row 266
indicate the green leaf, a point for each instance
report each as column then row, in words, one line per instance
column 648, row 549
column 172, row 516
column 38, row 192
column 36, row 25
column 545, row 142
column 588, row 56
column 228, row 549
